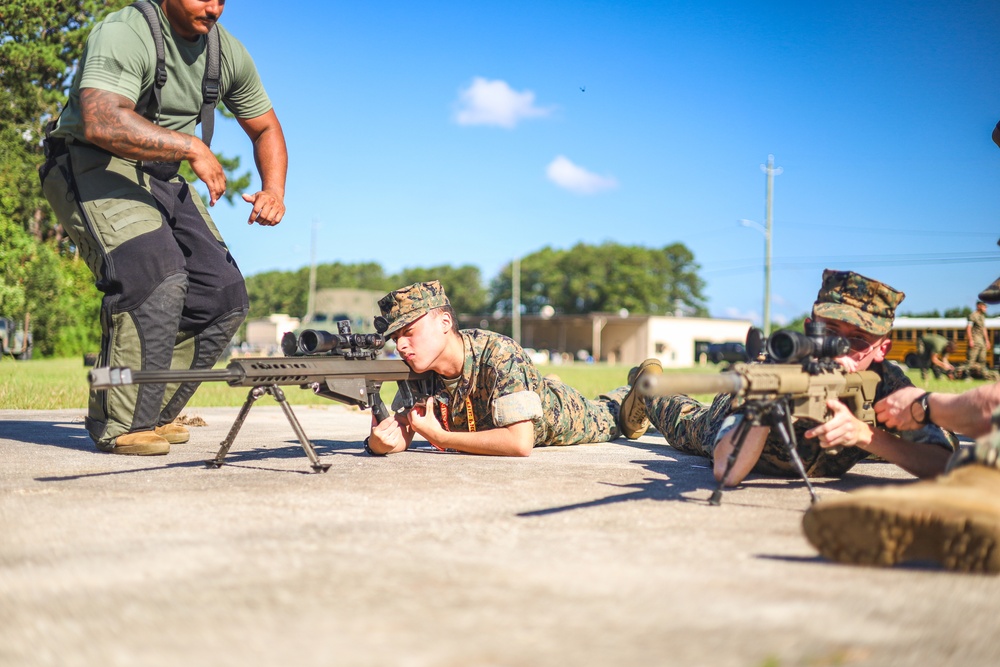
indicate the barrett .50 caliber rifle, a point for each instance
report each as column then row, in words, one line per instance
column 342, row 367
column 797, row 379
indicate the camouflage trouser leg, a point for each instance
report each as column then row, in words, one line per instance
column 688, row 425
column 578, row 419
column 977, row 354
column 163, row 269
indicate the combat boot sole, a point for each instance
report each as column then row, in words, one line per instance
column 942, row 521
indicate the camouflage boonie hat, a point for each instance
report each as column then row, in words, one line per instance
column 850, row 297
column 408, row 304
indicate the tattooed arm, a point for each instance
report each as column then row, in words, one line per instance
column 110, row 121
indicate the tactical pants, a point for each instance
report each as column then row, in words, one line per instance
column 977, row 353
column 173, row 295
column 692, row 427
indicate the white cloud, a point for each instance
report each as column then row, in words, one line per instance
column 576, row 179
column 495, row 103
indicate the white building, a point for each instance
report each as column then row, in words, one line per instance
column 675, row 341
column 265, row 333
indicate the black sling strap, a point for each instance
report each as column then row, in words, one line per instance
column 209, row 83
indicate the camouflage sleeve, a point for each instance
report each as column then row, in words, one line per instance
column 517, row 407
column 514, row 381
column 508, row 369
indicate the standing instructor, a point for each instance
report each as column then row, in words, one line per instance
column 173, row 295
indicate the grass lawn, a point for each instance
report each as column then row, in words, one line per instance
column 52, row 384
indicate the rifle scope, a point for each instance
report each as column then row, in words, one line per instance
column 790, row 347
column 314, row 341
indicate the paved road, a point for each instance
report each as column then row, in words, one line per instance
column 590, row 555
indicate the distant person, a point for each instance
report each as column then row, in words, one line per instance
column 991, row 294
column 976, row 335
column 861, row 310
column 173, row 295
column 489, row 398
column 934, row 357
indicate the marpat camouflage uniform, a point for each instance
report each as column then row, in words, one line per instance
column 504, row 387
column 694, row 428
column 979, row 342
column 499, row 385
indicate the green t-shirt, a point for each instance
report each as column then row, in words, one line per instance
column 935, row 343
column 121, row 58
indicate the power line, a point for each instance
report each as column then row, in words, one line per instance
column 747, row 266
column 791, row 226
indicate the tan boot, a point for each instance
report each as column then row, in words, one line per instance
column 632, row 419
column 139, row 443
column 953, row 520
column 175, row 434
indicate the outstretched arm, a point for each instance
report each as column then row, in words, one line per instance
column 271, row 156
column 843, row 429
column 967, row 413
column 746, row 459
column 110, row 122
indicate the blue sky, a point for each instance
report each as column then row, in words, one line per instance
column 459, row 133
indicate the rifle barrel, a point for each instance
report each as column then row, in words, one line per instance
column 106, row 378
column 254, row 371
column 669, row 384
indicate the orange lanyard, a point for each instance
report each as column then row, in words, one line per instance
column 469, row 416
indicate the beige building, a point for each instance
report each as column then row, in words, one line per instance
column 265, row 333
column 677, row 342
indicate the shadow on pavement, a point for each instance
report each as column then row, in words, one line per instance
column 679, row 478
column 72, row 435
column 66, row 434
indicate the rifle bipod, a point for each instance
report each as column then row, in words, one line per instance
column 279, row 395
column 777, row 415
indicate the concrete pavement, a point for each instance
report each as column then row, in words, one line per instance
column 590, row 555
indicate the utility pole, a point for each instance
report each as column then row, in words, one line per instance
column 311, row 305
column 515, row 300
column 771, row 172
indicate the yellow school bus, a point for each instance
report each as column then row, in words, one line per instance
column 906, row 331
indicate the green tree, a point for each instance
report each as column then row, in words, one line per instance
column 40, row 45
column 605, row 278
column 463, row 284
column 40, row 42
column 961, row 311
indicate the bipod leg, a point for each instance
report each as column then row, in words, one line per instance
column 307, row 445
column 739, row 438
column 782, row 422
column 252, row 397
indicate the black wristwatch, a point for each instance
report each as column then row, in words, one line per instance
column 925, row 405
column 369, row 450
